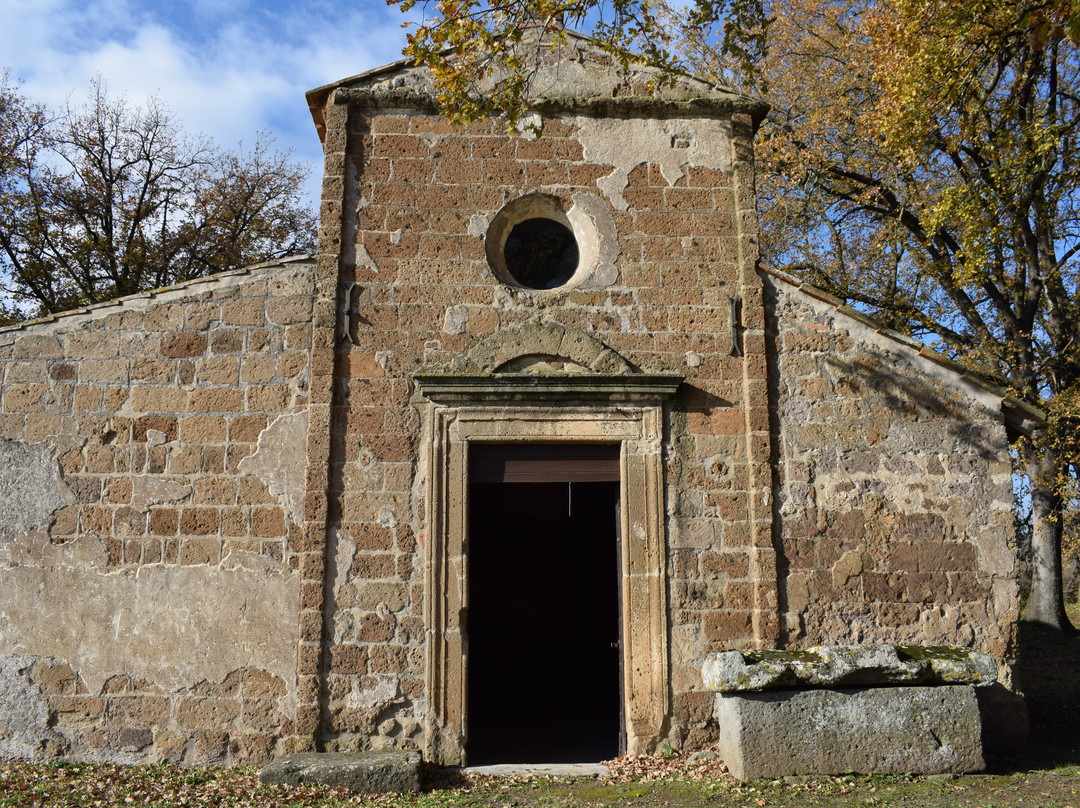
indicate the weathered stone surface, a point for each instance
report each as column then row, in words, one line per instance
column 846, row 666
column 148, row 489
column 889, row 730
column 896, row 498
column 106, row 624
column 363, row 772
column 279, row 461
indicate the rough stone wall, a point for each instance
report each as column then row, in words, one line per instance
column 419, row 197
column 151, row 464
column 895, row 491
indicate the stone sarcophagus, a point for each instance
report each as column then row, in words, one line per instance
column 869, row 709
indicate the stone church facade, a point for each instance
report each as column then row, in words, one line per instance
column 530, row 437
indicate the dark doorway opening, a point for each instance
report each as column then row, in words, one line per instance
column 544, row 684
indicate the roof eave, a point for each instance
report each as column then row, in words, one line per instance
column 1020, row 417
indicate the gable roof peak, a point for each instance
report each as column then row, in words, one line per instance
column 570, row 73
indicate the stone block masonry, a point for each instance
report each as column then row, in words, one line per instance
column 152, row 449
column 754, row 555
column 735, row 523
column 423, row 198
column 893, row 489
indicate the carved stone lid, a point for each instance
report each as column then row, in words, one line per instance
column 827, row 666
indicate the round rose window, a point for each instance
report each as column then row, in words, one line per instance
column 541, row 253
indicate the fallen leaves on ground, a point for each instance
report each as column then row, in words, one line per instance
column 669, row 764
column 646, row 781
column 89, row 785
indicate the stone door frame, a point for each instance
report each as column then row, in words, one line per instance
column 454, row 421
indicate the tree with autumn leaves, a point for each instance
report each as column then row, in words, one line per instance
column 921, row 161
column 944, row 202
column 109, row 198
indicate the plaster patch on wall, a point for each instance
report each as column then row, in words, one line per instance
column 478, row 225
column 602, row 246
column 24, row 712
column 849, row 565
column 382, row 695
column 798, row 593
column 530, row 125
column 237, row 559
column 290, row 282
column 672, row 143
column 386, row 517
column 147, row 490
column 279, row 461
column 456, row 320
column 364, row 259
column 338, row 620
column 172, row 626
column 31, row 487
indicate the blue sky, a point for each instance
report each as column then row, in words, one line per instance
column 226, row 68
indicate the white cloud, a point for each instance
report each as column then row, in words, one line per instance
column 225, row 69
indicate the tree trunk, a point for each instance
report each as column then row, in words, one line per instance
column 1046, row 604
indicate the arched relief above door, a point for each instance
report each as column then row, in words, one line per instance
column 511, row 350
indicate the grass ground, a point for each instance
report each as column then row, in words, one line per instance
column 1045, row 773
column 1053, row 784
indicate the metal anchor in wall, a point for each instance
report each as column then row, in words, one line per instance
column 734, row 304
column 350, row 310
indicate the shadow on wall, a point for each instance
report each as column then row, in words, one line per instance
column 874, row 451
column 906, row 392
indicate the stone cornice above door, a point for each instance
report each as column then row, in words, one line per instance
column 543, row 362
column 504, row 387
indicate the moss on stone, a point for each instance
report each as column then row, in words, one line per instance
column 770, row 655
column 921, row 653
